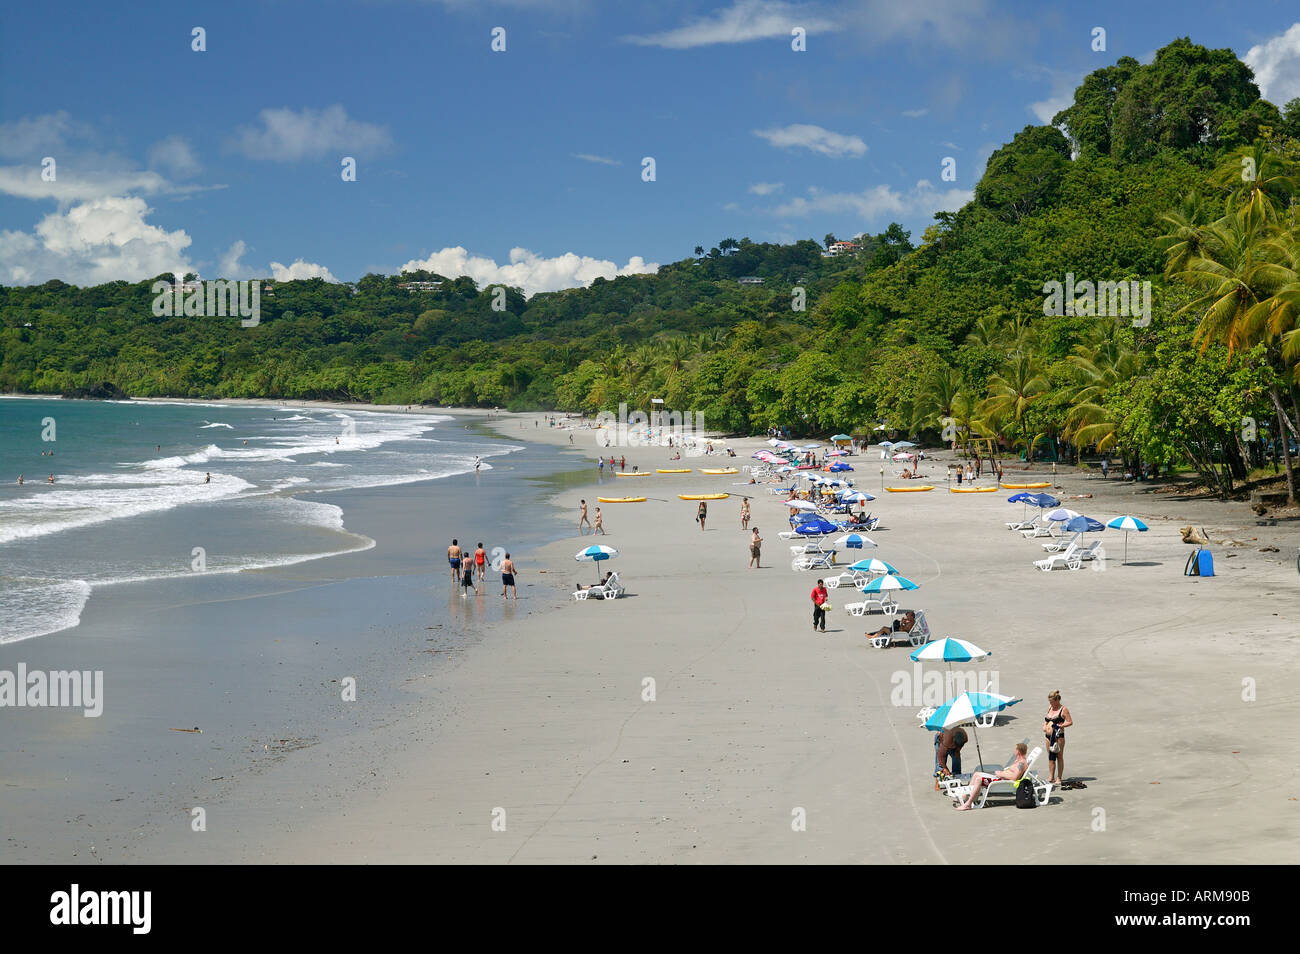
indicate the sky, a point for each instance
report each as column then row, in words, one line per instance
column 125, row 152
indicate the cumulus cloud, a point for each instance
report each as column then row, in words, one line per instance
column 603, row 160
column 35, row 137
column 743, row 22
column 1045, row 109
column 915, row 113
column 527, row 270
column 283, row 135
column 299, row 270
column 174, row 156
column 231, row 264
column 815, row 138
column 103, row 240
column 766, row 188
column 79, row 185
column 877, row 202
column 1277, row 66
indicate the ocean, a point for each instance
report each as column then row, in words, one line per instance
column 147, row 490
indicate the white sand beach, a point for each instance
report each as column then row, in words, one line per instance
column 545, row 725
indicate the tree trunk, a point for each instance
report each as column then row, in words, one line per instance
column 1285, row 448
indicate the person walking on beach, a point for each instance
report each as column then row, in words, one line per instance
column 622, row 464
column 744, row 513
column 467, row 580
column 508, row 572
column 959, row 475
column 702, row 514
column 1055, row 723
column 1105, row 468
column 600, row 465
column 600, row 523
column 480, row 560
column 755, row 548
column 819, row 598
column 454, row 556
column 582, row 518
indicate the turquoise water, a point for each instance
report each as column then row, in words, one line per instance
column 146, row 490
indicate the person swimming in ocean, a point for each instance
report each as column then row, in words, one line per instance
column 208, row 479
column 20, row 480
column 51, row 478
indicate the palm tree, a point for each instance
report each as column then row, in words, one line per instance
column 1240, row 270
column 674, row 352
column 1258, row 178
column 727, row 244
column 1183, row 241
column 1013, row 389
column 1099, row 365
column 987, row 332
column 699, row 251
column 933, row 403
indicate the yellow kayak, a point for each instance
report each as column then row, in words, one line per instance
column 724, row 470
column 638, row 474
column 1044, row 483
column 909, row 490
column 686, row 470
column 704, row 496
column 972, row 490
column 620, row 499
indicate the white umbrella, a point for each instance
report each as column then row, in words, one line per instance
column 800, row 505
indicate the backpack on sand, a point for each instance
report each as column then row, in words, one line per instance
column 1025, row 793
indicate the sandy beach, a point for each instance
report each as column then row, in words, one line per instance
column 544, row 740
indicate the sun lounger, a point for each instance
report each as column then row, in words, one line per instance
column 823, row 560
column 1068, row 558
column 1061, row 543
column 611, row 589
column 1038, row 530
column 1002, row 786
column 884, row 602
column 918, row 635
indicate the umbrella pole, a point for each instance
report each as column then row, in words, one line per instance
column 974, row 728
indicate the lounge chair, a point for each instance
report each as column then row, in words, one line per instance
column 883, row 602
column 846, row 578
column 1042, row 790
column 1038, row 530
column 822, row 560
column 918, row 635
column 1061, row 543
column 611, row 589
column 1069, row 558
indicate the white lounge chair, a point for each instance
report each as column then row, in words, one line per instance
column 1059, row 544
column 1068, row 558
column 611, row 589
column 814, row 561
column 884, row 602
column 846, row 578
column 1038, row 530
column 918, row 635
column 1002, row 786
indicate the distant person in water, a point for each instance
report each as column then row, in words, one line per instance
column 508, row 577
column 208, row 478
column 51, row 478
column 454, row 556
column 480, row 560
column 467, row 581
column 478, row 462
column 20, row 480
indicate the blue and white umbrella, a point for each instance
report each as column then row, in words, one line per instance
column 1082, row 524
column 965, row 708
column 839, row 467
column 1062, row 514
column 950, row 650
column 855, row 541
column 873, row 566
column 596, row 553
column 892, row 581
column 1128, row 525
column 857, row 496
column 903, row 444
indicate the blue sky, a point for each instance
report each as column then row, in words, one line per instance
column 525, row 165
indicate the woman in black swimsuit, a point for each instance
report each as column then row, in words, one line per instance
column 1055, row 723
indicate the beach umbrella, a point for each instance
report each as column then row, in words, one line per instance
column 837, row 482
column 1128, row 525
column 888, row 583
column 1062, row 514
column 1082, row 524
column 1045, row 501
column 886, row 443
column 837, row 453
column 904, row 456
column 1023, row 497
column 596, row 554
column 903, row 444
column 873, row 566
column 800, row 505
column 950, row 650
column 855, row 541
column 839, row 467
column 841, row 437
column 815, row 528
column 857, row 496
column 965, row 708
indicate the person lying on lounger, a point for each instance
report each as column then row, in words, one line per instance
column 597, row 586
column 903, row 625
column 1015, row 770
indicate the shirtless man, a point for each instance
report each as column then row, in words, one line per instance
column 903, row 625
column 508, row 572
column 454, row 556
column 1011, row 773
column 583, row 518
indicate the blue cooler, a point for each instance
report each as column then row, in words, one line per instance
column 1205, row 563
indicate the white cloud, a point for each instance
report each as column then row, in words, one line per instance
column 527, row 270
column 1045, row 109
column 766, row 188
column 877, row 202
column 285, row 135
column 74, row 185
column 915, row 113
column 34, row 137
column 588, row 157
column 299, row 270
column 230, row 265
column 174, row 155
column 103, row 240
column 815, row 138
column 743, row 22
column 1277, row 66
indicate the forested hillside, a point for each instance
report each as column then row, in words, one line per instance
column 1176, row 173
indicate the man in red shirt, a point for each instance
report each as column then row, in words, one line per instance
column 819, row 597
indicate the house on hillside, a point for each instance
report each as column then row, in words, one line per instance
column 840, row 248
column 749, row 280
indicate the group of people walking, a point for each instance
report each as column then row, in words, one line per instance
column 467, row 568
